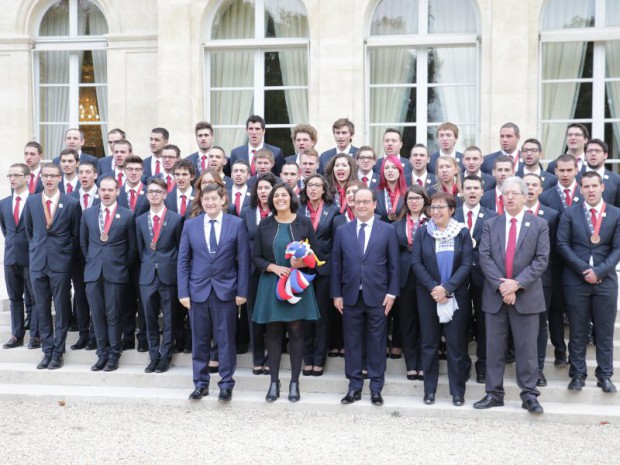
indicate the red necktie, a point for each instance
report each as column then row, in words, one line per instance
column 238, row 202
column 419, row 182
column 31, row 184
column 16, row 209
column 203, row 162
column 119, row 178
column 510, row 248
column 69, row 188
column 169, row 183
column 592, row 214
column 156, row 227
column 569, row 199
column 107, row 218
column 500, row 205
column 530, row 212
column 157, row 168
column 132, row 199
column 469, row 220
column 252, row 163
column 49, row 207
column 365, row 180
column 85, row 201
column 183, row 205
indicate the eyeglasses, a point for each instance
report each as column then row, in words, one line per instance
column 575, row 134
column 365, row 158
column 155, row 192
column 9, row 176
column 362, row 203
column 50, row 176
column 438, row 207
column 133, row 170
column 511, row 194
column 313, row 185
column 531, row 150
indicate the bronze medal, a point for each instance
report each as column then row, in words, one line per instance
column 392, row 216
column 595, row 238
column 153, row 245
column 103, row 237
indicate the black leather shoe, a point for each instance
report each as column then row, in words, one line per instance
column 306, row 372
column 214, row 369
column 100, row 364
column 274, row 392
column 257, row 371
column 542, row 381
column 56, row 363
column 44, row 363
column 162, row 366
column 352, row 396
column 481, row 377
column 143, row 346
column 199, row 393
column 458, row 401
column 128, row 345
column 151, row 367
column 488, row 402
column 577, row 383
column 34, row 343
column 293, row 392
column 91, row 345
column 532, row 406
column 429, row 399
column 606, row 385
column 80, row 344
column 560, row 360
column 375, row 398
column 14, row 342
column 112, row 365
column 225, row 395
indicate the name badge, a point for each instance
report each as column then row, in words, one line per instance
column 117, row 216
column 541, row 212
column 604, row 214
column 480, row 215
column 60, row 205
column 575, row 199
column 527, row 225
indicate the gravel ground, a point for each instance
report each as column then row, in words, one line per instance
column 130, row 434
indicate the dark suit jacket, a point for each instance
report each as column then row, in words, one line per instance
column 241, row 153
column 489, row 200
column 111, row 259
column 227, row 274
column 489, row 161
column 488, row 181
column 432, row 163
column 104, row 165
column 248, row 215
column 382, row 210
column 195, row 158
column 483, row 215
column 245, row 201
column 376, row 271
column 15, row 240
column 57, row 246
column 83, row 157
column 575, row 247
column 552, row 218
column 530, row 262
column 611, row 194
column 326, row 156
column 548, row 180
column 431, row 180
column 62, row 188
column 171, row 202
column 405, row 253
column 164, row 259
column 551, row 199
column 142, row 203
column 324, row 234
column 424, row 263
column 146, row 163
column 92, row 201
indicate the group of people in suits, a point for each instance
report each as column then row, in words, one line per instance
column 421, row 254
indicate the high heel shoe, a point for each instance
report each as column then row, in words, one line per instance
column 274, row 392
column 293, row 392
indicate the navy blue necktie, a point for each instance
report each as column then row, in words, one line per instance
column 212, row 240
column 361, row 238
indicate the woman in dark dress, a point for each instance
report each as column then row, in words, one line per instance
column 340, row 170
column 316, row 204
column 272, row 238
column 412, row 216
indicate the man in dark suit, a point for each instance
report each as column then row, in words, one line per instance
column 309, row 163
column 157, row 236
column 255, row 129
column 304, row 137
column 419, row 162
column 239, row 193
column 122, row 150
column 343, row 131
column 474, row 216
column 154, row 164
column 52, row 227
column 509, row 135
column 503, row 169
column 392, row 144
column 366, row 159
column 291, row 175
column 180, row 199
column 596, row 155
column 577, row 136
column 213, row 275
column 364, row 283
column 472, row 161
column 69, row 162
column 33, row 154
column 16, row 274
column 589, row 242
column 107, row 164
column 108, row 242
column 513, row 254
column 531, row 153
column 74, row 139
column 447, row 136
column 204, row 140
column 217, row 161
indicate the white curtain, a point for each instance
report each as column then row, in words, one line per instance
column 54, row 70
column 613, row 70
column 99, row 27
column 562, row 60
column 391, row 66
column 232, row 69
column 454, row 65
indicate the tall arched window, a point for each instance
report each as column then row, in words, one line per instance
column 70, row 75
column 580, row 71
column 256, row 62
column 422, row 69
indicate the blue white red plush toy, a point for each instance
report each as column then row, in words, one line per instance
column 297, row 281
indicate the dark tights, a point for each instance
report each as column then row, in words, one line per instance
column 275, row 332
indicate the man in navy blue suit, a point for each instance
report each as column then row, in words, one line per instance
column 239, row 193
column 107, row 164
column 364, row 284
column 589, row 242
column 447, row 136
column 392, row 144
column 33, row 154
column 74, row 139
column 157, row 235
column 52, row 228
column 69, row 162
column 108, row 242
column 180, row 198
column 472, row 161
column 255, row 129
column 309, row 163
column 304, row 137
column 596, row 154
column 366, row 159
column 154, row 165
column 509, row 135
column 419, row 163
column 531, row 153
column 204, row 138
column 213, row 275
column 16, row 274
column 343, row 131
column 577, row 136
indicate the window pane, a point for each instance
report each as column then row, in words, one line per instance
column 90, row 19
column 612, row 13
column 54, row 103
column 231, row 107
column 392, row 66
column 461, row 17
column 281, row 106
column 391, row 105
column 450, row 65
column 566, row 101
column 568, row 14
column 52, row 139
column 285, row 18
column 452, row 103
column 232, row 69
column 286, row 68
column 234, row 20
column 89, row 107
column 567, row 60
column 54, row 67
column 612, row 137
column 56, row 20
column 280, row 137
column 394, row 17
column 93, row 138
column 612, row 64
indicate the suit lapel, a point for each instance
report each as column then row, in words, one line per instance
column 200, row 231
column 501, row 236
column 525, row 228
column 223, row 231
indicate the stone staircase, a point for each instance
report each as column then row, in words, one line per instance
column 75, row 382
